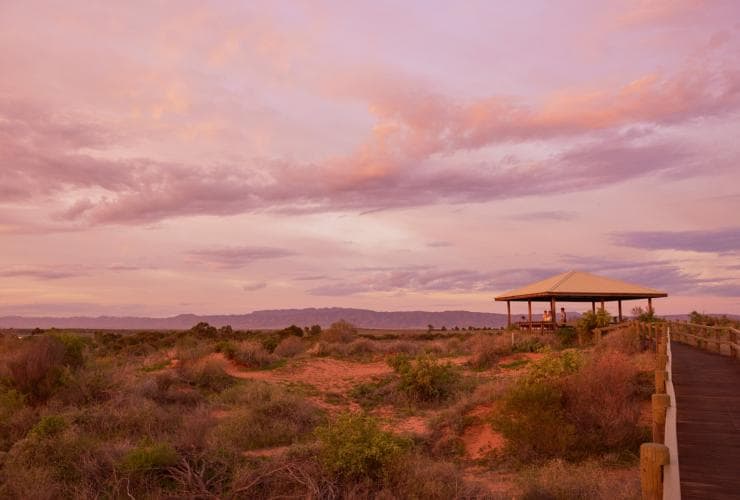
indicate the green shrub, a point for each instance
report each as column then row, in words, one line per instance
column 203, row 329
column 270, row 417
column 206, row 374
column 74, row 347
column 270, row 342
column 254, row 355
column 228, row 349
column 292, row 330
column 532, row 344
column 149, row 456
column 49, row 426
column 16, row 419
column 533, row 421
column 554, row 366
column 355, row 446
column 425, row 378
column 590, row 320
column 566, row 335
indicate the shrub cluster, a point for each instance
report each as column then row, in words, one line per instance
column 571, row 408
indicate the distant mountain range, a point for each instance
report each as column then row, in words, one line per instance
column 280, row 318
column 270, row 319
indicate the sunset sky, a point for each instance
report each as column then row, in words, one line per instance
column 158, row 158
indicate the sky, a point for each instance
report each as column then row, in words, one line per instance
column 161, row 157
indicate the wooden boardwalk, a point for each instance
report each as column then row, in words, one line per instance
column 707, row 389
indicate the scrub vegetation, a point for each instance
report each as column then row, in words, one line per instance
column 311, row 413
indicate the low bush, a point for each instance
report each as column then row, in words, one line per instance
column 354, row 446
column 362, row 347
column 420, row 477
column 624, row 340
column 566, row 336
column 208, row 374
column 554, row 366
column 269, row 417
column 487, row 349
column 289, row 347
column 560, row 480
column 227, row 348
column 35, row 367
column 16, row 419
column 533, row 421
column 341, row 331
column 149, row 456
column 529, row 344
column 254, row 355
column 425, row 378
column 49, row 426
column 600, row 399
column 401, row 347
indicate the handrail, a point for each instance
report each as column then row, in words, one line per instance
column 659, row 471
column 723, row 339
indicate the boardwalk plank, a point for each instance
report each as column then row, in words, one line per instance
column 707, row 389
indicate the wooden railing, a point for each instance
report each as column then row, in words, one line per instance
column 719, row 339
column 659, row 471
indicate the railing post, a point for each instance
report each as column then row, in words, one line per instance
column 660, row 379
column 718, row 335
column 660, row 402
column 653, row 456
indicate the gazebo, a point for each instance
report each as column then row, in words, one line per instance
column 575, row 286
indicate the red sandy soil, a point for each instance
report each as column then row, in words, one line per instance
column 413, row 424
column 480, row 439
column 326, row 374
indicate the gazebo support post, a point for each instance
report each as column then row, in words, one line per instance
column 553, row 318
column 650, row 304
column 593, row 307
column 620, row 310
column 529, row 306
column 602, row 305
column 508, row 314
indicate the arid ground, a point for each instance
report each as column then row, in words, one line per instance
column 334, row 414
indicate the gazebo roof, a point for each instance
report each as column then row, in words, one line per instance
column 576, row 286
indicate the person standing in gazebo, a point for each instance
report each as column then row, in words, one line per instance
column 563, row 316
